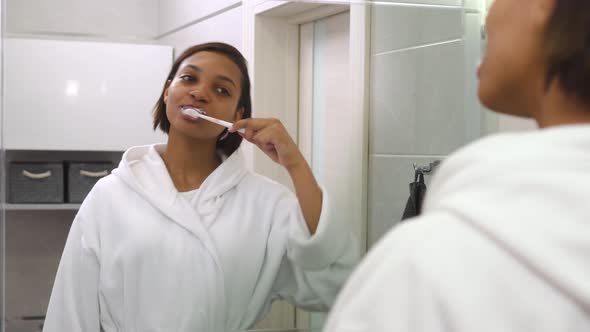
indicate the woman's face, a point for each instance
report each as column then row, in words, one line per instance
column 512, row 71
column 210, row 82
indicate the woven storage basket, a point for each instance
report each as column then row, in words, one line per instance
column 83, row 176
column 36, row 183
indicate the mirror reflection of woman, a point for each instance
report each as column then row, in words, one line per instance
column 183, row 237
column 503, row 242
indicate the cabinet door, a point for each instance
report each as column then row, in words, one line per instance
column 72, row 95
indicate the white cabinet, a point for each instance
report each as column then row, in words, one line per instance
column 73, row 95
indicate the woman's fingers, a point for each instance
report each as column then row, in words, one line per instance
column 253, row 126
column 265, row 140
column 270, row 136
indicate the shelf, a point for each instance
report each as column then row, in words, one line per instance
column 46, row 207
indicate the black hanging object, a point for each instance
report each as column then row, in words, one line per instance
column 417, row 193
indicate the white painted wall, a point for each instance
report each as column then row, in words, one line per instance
column 225, row 27
column 132, row 19
column 177, row 14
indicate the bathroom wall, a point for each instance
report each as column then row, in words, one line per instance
column 423, row 103
column 183, row 23
column 111, row 19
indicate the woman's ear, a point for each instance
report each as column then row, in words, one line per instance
column 166, row 91
column 239, row 114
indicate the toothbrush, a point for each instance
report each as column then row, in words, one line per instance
column 195, row 113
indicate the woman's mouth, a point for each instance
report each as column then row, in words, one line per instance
column 191, row 109
column 190, row 113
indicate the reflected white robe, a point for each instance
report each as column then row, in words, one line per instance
column 141, row 257
column 503, row 244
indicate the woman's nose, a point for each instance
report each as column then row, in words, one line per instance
column 199, row 95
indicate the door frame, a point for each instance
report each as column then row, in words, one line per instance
column 272, row 27
column 270, row 42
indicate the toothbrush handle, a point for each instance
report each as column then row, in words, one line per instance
column 226, row 124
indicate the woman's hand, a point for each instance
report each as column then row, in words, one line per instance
column 273, row 139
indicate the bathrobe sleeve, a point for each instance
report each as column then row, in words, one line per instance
column 314, row 268
column 74, row 303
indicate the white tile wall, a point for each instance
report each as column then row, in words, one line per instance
column 396, row 27
column 423, row 104
column 390, row 177
column 111, row 18
column 417, row 101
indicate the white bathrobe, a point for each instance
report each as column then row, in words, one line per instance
column 142, row 257
column 503, row 245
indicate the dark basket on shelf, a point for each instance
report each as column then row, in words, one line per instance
column 82, row 176
column 36, row 183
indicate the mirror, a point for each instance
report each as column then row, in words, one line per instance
column 365, row 89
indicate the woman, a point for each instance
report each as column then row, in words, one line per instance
column 182, row 237
column 503, row 243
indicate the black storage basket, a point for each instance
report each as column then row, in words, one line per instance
column 36, row 183
column 82, row 176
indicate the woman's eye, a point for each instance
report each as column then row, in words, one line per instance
column 223, row 91
column 187, row 78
